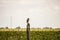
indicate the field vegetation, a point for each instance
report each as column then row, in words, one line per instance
column 19, row 34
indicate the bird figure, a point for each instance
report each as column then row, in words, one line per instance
column 27, row 20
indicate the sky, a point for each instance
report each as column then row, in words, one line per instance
column 42, row 13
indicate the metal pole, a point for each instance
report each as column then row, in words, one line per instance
column 28, row 29
column 11, row 21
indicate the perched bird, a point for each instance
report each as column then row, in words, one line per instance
column 27, row 20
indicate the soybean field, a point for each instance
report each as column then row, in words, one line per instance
column 34, row 35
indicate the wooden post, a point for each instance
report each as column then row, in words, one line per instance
column 28, row 29
column 6, row 36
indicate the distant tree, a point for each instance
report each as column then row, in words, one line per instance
column 46, row 28
column 6, row 27
column 18, row 27
column 50, row 27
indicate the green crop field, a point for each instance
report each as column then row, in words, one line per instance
column 34, row 35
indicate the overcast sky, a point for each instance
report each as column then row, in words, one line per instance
column 42, row 13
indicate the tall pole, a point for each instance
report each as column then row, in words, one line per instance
column 11, row 21
column 28, row 29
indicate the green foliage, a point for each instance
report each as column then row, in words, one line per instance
column 34, row 35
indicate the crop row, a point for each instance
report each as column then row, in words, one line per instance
column 34, row 35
